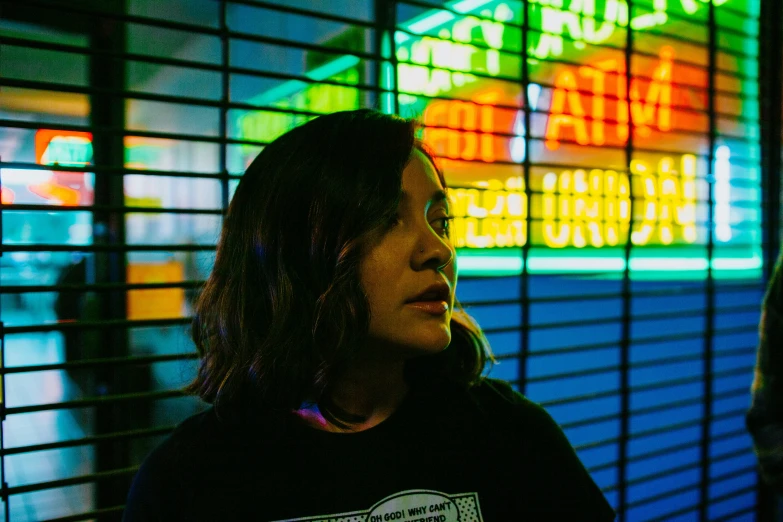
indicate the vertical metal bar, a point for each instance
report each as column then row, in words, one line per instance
column 224, row 100
column 771, row 105
column 383, row 34
column 107, row 74
column 524, row 348
column 625, row 329
column 377, row 49
column 3, row 394
column 389, row 22
column 385, row 12
column 710, row 288
column 3, row 482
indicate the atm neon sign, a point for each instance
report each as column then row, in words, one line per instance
column 567, row 111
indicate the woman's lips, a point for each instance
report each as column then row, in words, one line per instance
column 430, row 307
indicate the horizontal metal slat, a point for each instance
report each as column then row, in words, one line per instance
column 85, row 441
column 96, row 401
column 73, row 481
column 89, row 515
column 97, row 363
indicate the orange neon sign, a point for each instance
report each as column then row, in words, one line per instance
column 462, row 130
column 54, row 147
column 567, row 112
column 68, row 148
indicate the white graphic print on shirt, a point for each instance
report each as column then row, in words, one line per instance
column 413, row 505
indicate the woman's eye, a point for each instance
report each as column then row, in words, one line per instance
column 443, row 224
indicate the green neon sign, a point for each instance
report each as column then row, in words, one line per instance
column 671, row 264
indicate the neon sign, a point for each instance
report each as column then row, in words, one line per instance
column 566, row 110
column 573, row 215
column 493, row 215
column 433, row 66
column 580, row 208
column 465, row 130
column 577, row 21
column 579, row 25
column 63, row 148
column 462, row 130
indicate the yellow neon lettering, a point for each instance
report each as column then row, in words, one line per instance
column 556, row 232
column 566, row 89
column 686, row 213
column 668, row 200
column 617, row 206
column 494, row 216
column 669, row 194
column 646, row 225
column 583, row 208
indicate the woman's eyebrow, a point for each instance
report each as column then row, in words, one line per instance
column 436, row 197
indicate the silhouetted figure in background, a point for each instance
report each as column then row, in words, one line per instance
column 70, row 307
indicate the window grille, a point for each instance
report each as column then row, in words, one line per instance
column 614, row 230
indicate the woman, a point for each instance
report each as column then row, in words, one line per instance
column 345, row 379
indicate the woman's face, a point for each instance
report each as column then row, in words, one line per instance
column 408, row 272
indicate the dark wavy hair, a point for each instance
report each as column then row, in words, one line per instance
column 283, row 311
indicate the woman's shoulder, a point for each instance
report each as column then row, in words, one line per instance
column 497, row 396
column 159, row 476
column 498, row 405
column 193, row 432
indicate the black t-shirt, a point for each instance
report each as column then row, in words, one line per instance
column 485, row 454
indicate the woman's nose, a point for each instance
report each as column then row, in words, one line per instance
column 435, row 253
